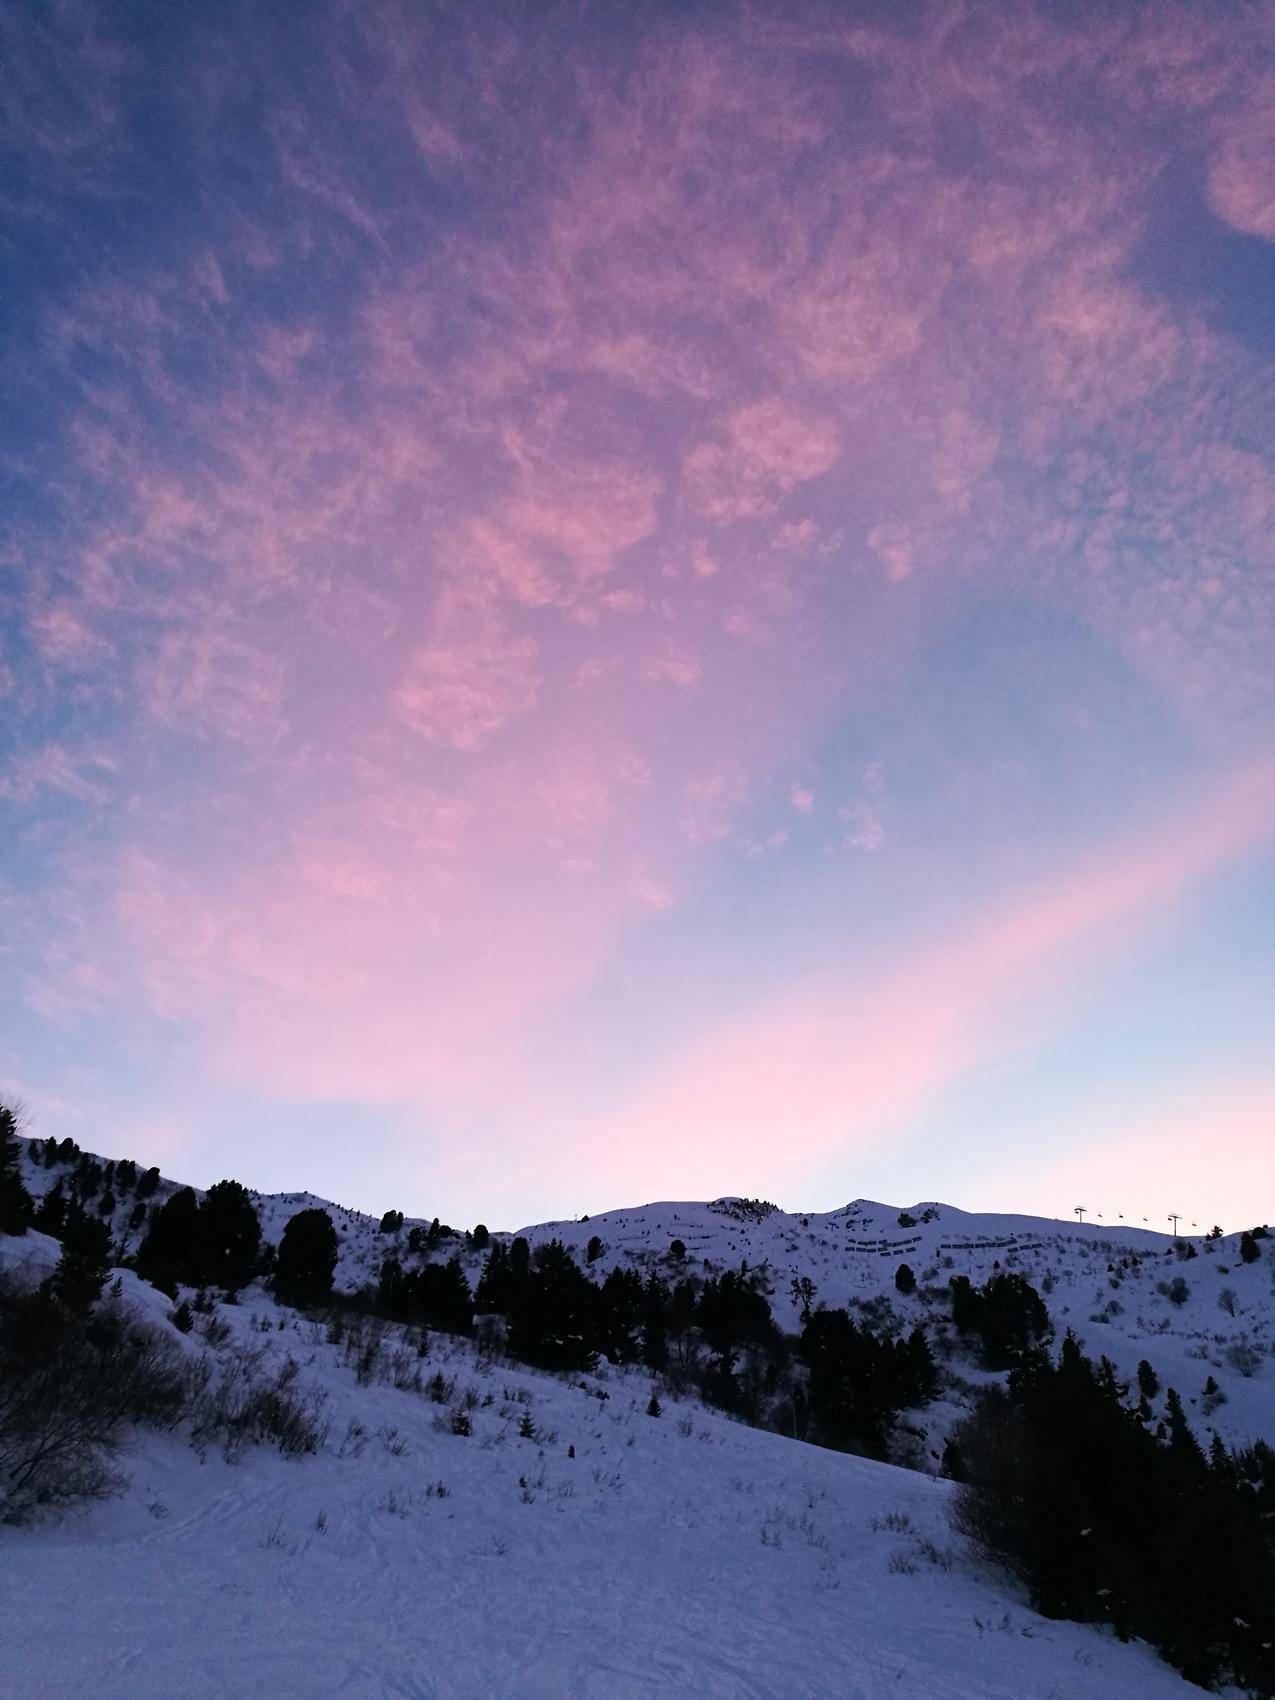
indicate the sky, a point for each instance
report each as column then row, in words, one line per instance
column 602, row 603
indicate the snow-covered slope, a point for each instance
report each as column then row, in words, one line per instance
column 673, row 1556
column 678, row 1555
column 1100, row 1280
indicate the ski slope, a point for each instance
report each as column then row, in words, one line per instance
column 678, row 1555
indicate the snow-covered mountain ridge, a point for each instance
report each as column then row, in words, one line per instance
column 1101, row 1280
column 569, row 1546
column 562, row 1540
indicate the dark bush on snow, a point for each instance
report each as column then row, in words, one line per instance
column 243, row 1406
column 70, row 1384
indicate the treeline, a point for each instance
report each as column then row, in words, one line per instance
column 77, row 1367
column 837, row 1383
column 89, row 1187
column 1110, row 1516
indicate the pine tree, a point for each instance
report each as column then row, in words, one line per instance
column 1181, row 1438
column 1148, row 1380
column 165, row 1256
column 655, row 1307
column 227, row 1239
column 16, row 1208
column 51, row 1213
column 904, row 1279
column 653, row 1407
column 82, row 1268
column 306, row 1260
column 491, row 1296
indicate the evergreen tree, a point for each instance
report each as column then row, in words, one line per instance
column 552, row 1310
column 920, row 1375
column 1250, row 1251
column 803, row 1292
column 1182, row 1442
column 653, row 1406
column 16, row 1208
column 51, row 1213
column 480, row 1238
column 306, row 1259
column 165, row 1255
column 904, row 1279
column 1007, row 1314
column 81, row 1270
column 227, row 1239
column 593, row 1251
column 1106, row 1523
column 439, row 1295
column 655, row 1307
column 620, row 1310
column 1148, row 1380
column 491, row 1296
column 392, row 1289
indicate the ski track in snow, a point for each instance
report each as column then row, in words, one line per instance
column 636, row 1572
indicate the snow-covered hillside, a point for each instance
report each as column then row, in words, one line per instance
column 608, row 1555
column 571, row 1544
column 1101, row 1281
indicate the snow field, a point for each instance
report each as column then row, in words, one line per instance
column 683, row 1555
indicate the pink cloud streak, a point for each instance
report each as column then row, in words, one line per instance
column 823, row 1070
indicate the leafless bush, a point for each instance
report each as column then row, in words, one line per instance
column 1243, row 1358
column 69, row 1387
column 245, row 1405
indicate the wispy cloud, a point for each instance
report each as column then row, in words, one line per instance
column 457, row 517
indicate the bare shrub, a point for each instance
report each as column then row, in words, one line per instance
column 1243, row 1358
column 69, row 1387
column 245, row 1406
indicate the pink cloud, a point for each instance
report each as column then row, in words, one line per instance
column 214, row 684
column 471, row 680
column 496, row 613
column 1241, row 175
column 769, row 449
